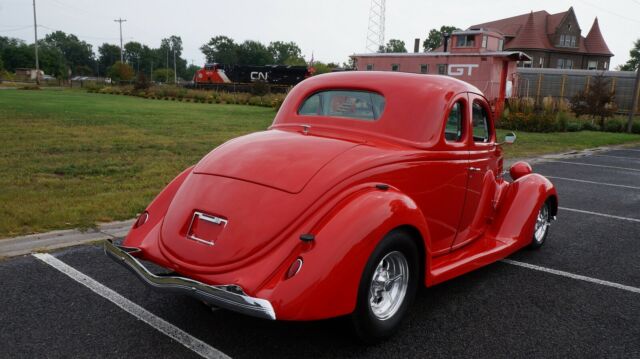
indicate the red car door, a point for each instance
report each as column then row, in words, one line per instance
column 444, row 179
column 484, row 156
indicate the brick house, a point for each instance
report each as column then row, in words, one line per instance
column 553, row 40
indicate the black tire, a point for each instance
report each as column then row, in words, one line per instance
column 367, row 326
column 537, row 239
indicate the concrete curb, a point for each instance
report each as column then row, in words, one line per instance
column 16, row 246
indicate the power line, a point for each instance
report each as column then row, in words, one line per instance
column 610, row 12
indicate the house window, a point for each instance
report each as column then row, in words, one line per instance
column 567, row 41
column 485, row 39
column 466, row 41
column 524, row 64
column 565, row 63
column 592, row 65
column 369, row 67
column 500, row 44
column 395, row 67
column 541, row 62
column 442, row 69
column 424, row 69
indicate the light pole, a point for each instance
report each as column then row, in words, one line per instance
column 175, row 74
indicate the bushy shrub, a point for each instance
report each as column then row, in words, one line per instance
column 615, row 125
column 574, row 127
column 588, row 126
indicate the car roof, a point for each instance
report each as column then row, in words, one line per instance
column 415, row 104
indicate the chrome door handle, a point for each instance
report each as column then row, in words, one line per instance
column 474, row 169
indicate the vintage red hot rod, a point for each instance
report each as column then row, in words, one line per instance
column 367, row 185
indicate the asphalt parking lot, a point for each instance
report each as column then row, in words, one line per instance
column 579, row 296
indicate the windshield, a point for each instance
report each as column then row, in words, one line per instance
column 361, row 105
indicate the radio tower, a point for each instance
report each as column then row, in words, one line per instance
column 375, row 32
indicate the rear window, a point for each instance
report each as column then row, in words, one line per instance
column 361, row 105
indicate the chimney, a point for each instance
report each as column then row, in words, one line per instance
column 445, row 37
column 416, row 45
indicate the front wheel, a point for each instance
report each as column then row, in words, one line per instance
column 387, row 287
column 541, row 227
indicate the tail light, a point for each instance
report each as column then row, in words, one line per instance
column 294, row 268
column 142, row 219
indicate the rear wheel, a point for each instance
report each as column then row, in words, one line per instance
column 387, row 287
column 541, row 227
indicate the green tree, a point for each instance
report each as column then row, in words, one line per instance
column 434, row 39
column 109, row 54
column 321, row 68
column 76, row 54
column 121, row 72
column 596, row 101
column 221, row 49
column 163, row 75
column 286, row 53
column 395, row 45
column 634, row 58
column 191, row 71
column 254, row 53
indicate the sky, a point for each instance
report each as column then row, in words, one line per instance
column 331, row 30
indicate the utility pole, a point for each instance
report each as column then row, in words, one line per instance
column 634, row 101
column 175, row 74
column 151, row 73
column 35, row 32
column 166, row 78
column 120, row 20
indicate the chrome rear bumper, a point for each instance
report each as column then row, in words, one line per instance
column 230, row 297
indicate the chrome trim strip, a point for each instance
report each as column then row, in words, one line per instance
column 230, row 297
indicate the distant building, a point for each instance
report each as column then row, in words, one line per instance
column 474, row 56
column 28, row 74
column 553, row 40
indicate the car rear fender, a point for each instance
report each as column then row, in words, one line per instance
column 327, row 284
column 519, row 206
column 156, row 209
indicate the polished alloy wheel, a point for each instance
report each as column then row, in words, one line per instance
column 542, row 224
column 389, row 285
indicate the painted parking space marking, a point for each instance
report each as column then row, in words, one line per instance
column 196, row 345
column 594, row 165
column 600, row 214
column 592, row 182
column 573, row 276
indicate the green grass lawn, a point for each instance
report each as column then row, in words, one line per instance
column 70, row 159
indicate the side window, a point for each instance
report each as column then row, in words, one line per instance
column 453, row 129
column 480, row 124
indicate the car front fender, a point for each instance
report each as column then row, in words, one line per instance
column 327, row 284
column 519, row 208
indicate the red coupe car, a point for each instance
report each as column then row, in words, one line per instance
column 366, row 186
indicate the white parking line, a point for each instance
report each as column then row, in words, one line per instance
column 573, row 276
column 592, row 182
column 600, row 214
column 196, row 345
column 594, row 165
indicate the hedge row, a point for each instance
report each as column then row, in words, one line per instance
column 170, row 93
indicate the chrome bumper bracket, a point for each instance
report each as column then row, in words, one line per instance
column 230, row 297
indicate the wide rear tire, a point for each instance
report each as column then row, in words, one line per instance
column 387, row 288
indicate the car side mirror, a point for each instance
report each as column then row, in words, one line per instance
column 509, row 138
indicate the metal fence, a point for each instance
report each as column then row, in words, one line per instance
column 539, row 83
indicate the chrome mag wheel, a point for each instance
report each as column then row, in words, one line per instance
column 389, row 285
column 542, row 225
